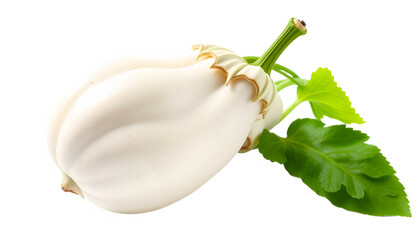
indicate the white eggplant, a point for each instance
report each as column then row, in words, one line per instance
column 142, row 135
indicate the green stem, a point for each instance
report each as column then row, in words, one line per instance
column 280, row 85
column 290, row 108
column 277, row 67
column 286, row 72
column 293, row 30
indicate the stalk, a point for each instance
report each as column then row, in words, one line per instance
column 282, row 84
column 293, row 30
column 277, row 67
column 289, row 109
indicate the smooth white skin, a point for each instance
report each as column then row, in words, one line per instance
column 138, row 140
column 104, row 72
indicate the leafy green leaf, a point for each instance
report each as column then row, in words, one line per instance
column 327, row 99
column 337, row 164
column 272, row 147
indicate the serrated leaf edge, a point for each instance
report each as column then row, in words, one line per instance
column 353, row 110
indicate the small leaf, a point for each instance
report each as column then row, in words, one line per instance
column 337, row 164
column 327, row 99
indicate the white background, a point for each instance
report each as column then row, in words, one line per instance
column 47, row 47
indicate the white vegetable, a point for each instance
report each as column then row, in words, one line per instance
column 143, row 134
